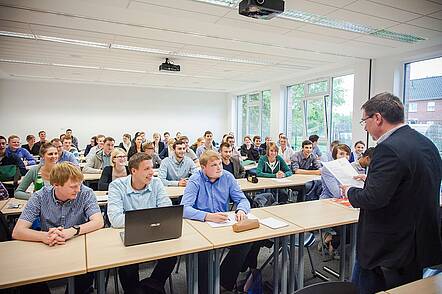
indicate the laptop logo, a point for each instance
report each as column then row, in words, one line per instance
column 155, row 225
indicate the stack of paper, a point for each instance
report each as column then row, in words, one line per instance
column 343, row 172
column 231, row 221
column 273, row 223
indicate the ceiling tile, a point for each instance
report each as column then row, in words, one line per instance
column 382, row 11
column 334, row 3
column 416, row 31
column 188, row 5
column 428, row 23
column 362, row 19
column 437, row 15
column 421, row 6
column 329, row 32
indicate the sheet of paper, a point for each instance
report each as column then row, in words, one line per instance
column 281, row 180
column 102, row 198
column 273, row 223
column 231, row 221
column 343, row 172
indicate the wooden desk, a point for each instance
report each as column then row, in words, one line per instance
column 30, row 262
column 92, row 177
column 431, row 285
column 224, row 236
column 105, row 249
column 313, row 215
column 3, row 203
column 11, row 211
column 273, row 183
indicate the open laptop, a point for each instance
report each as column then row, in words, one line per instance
column 152, row 224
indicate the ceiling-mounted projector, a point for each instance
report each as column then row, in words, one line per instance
column 261, row 9
column 168, row 66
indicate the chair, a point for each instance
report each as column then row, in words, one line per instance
column 329, row 288
column 309, row 240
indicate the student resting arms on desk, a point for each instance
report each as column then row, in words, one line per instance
column 139, row 190
column 206, row 198
column 49, row 156
column 66, row 209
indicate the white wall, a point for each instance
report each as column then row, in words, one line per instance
column 29, row 106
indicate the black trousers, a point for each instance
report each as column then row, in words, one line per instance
column 239, row 258
column 130, row 277
column 83, row 283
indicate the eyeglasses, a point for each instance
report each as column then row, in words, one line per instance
column 363, row 121
column 121, row 157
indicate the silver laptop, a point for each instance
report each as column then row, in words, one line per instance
column 152, row 224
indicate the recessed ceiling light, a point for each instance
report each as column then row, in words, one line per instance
column 72, row 41
column 17, row 35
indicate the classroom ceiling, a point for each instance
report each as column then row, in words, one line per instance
column 122, row 42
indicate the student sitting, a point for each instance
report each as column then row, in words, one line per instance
column 363, row 162
column 139, row 190
column 206, row 198
column 66, row 209
column 157, row 143
column 176, row 169
column 89, row 146
column 235, row 153
column 96, row 148
column 284, row 150
column 22, row 153
column 328, row 155
column 137, row 146
column 42, row 136
column 74, row 139
column 116, row 169
column 49, row 156
column 125, row 145
column 357, row 153
column 31, row 146
column 244, row 150
column 149, row 149
column 330, row 185
column 198, row 143
column 316, row 151
column 208, row 144
column 67, row 146
column 264, row 145
column 189, row 152
column 230, row 163
column 10, row 159
column 101, row 159
column 63, row 155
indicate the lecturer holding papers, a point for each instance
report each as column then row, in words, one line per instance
column 399, row 221
column 206, row 198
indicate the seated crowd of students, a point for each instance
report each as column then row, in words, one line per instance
column 127, row 173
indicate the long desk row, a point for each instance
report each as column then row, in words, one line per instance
column 175, row 192
column 103, row 249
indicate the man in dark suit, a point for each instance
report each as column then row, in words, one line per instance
column 399, row 221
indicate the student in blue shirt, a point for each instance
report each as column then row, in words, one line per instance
column 22, row 153
column 139, row 190
column 206, row 198
column 62, row 154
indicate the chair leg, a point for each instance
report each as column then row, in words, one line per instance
column 117, row 289
column 315, row 273
column 107, row 279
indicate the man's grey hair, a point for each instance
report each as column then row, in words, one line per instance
column 387, row 105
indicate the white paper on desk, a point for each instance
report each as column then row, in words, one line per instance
column 343, row 172
column 273, row 223
column 281, row 180
column 102, row 198
column 231, row 221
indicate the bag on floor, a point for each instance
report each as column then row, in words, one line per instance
column 253, row 283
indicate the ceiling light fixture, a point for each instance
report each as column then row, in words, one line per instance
column 17, row 35
column 72, row 41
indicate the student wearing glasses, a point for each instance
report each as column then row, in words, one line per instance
column 117, row 169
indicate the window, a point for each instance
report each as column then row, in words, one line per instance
column 254, row 114
column 312, row 110
column 431, row 106
column 422, row 86
column 412, row 107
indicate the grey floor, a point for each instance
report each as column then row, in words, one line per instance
column 179, row 280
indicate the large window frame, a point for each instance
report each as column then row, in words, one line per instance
column 253, row 99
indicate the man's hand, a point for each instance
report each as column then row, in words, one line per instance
column 241, row 215
column 182, row 183
column 53, row 237
column 68, row 233
column 361, row 177
column 217, row 217
column 280, row 174
column 344, row 189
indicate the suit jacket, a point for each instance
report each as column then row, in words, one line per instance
column 238, row 169
column 399, row 218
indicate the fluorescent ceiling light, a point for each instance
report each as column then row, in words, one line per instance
column 75, row 66
column 124, row 70
column 140, row 49
column 323, row 21
column 23, row 61
column 17, row 35
column 72, row 41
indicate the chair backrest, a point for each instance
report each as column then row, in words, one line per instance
column 5, row 234
column 329, row 288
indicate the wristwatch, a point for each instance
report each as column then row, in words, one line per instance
column 77, row 227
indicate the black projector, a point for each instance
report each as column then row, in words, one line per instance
column 167, row 66
column 261, row 9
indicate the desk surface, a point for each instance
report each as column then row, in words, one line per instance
column 225, row 236
column 3, row 203
column 269, row 183
column 9, row 211
column 30, row 262
column 312, row 215
column 106, row 250
column 92, row 177
column 432, row 285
